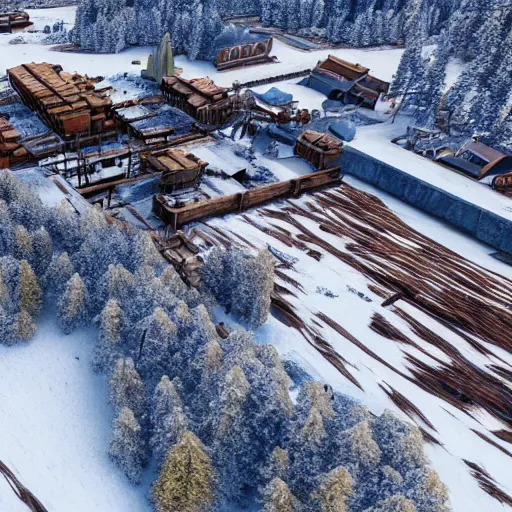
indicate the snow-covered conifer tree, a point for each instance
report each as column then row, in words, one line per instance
column 59, row 272
column 127, row 446
column 108, row 347
column 30, row 295
column 169, row 422
column 72, row 306
column 186, row 480
column 277, row 497
column 42, row 251
column 126, row 387
column 335, row 490
column 22, row 246
column 158, row 343
column 393, row 504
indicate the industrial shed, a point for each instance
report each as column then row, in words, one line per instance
column 346, row 82
column 67, row 102
column 200, row 98
column 11, row 21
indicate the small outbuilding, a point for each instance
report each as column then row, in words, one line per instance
column 319, row 149
column 180, row 170
column 200, row 98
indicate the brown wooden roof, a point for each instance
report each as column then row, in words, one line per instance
column 343, row 68
column 175, row 160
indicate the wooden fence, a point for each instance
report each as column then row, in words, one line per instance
column 177, row 217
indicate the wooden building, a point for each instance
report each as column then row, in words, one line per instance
column 180, row 170
column 200, row 98
column 245, row 55
column 346, row 82
column 11, row 151
column 67, row 102
column 319, row 149
column 11, row 21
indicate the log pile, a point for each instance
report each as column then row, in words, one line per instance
column 11, row 151
column 424, row 284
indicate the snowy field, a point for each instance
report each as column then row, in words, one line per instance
column 55, row 425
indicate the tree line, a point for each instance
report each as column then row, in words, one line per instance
column 196, row 27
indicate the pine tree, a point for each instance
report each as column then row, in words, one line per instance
column 277, row 497
column 186, row 481
column 276, row 466
column 7, row 334
column 158, row 343
column 6, row 229
column 22, row 246
column 335, row 490
column 167, row 417
column 29, row 292
column 42, row 251
column 393, row 504
column 59, row 272
column 24, row 327
column 126, row 387
column 72, row 306
column 108, row 347
column 127, row 447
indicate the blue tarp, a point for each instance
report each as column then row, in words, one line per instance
column 344, row 130
column 275, row 97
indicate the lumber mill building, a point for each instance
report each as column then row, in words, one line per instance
column 200, row 98
column 346, row 82
column 67, row 102
column 319, row 149
column 180, row 169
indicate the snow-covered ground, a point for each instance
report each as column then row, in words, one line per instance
column 453, row 428
column 375, row 140
column 55, row 425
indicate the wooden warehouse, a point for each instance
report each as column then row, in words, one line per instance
column 245, row 55
column 350, row 83
column 319, row 149
column 200, row 98
column 11, row 21
column 179, row 169
column 67, row 102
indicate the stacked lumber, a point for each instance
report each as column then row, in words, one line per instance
column 10, row 21
column 11, row 151
column 200, row 98
column 68, row 102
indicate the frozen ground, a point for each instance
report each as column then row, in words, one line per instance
column 451, row 426
column 55, row 424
